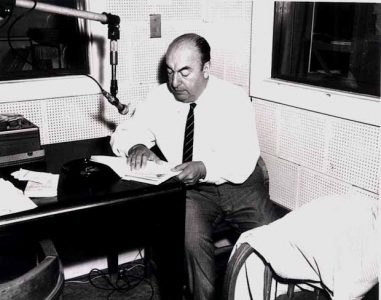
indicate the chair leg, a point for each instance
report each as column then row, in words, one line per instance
column 268, row 277
column 290, row 290
column 236, row 262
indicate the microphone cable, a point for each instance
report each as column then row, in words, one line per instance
column 122, row 108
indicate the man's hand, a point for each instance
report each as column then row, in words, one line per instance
column 138, row 156
column 192, row 172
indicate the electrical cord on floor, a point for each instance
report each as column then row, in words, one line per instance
column 122, row 284
column 124, row 281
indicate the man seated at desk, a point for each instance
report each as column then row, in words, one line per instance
column 207, row 127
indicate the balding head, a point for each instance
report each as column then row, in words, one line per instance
column 198, row 42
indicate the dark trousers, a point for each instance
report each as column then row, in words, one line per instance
column 244, row 206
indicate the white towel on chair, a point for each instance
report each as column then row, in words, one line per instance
column 332, row 240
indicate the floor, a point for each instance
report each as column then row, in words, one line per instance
column 131, row 283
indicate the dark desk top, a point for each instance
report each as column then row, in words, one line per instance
column 74, row 195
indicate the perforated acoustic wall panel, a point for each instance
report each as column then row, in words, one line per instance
column 313, row 185
column 283, row 177
column 310, row 155
column 302, row 137
column 228, row 29
column 358, row 192
column 266, row 114
column 140, row 55
column 354, row 153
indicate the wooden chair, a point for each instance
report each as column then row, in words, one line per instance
column 237, row 262
column 45, row 281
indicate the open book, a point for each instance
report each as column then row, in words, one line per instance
column 153, row 173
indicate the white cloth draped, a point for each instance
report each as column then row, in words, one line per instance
column 332, row 240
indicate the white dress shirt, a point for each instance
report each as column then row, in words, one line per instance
column 225, row 137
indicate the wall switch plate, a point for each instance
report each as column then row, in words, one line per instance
column 155, row 25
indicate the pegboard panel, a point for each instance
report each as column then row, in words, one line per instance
column 75, row 118
column 283, row 180
column 217, row 54
column 31, row 110
column 360, row 193
column 217, row 10
column 217, row 67
column 230, row 51
column 313, row 185
column 139, row 54
column 302, row 137
column 237, row 52
column 136, row 10
column 266, row 115
column 145, row 55
column 142, row 55
column 354, row 153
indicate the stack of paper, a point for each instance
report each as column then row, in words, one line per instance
column 152, row 173
column 12, row 199
column 40, row 184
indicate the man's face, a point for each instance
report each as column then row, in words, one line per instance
column 186, row 77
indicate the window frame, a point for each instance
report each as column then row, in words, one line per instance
column 347, row 105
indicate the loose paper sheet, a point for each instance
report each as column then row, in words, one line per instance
column 13, row 200
column 40, row 184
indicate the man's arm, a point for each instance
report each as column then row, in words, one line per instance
column 134, row 131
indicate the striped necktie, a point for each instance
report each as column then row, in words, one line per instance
column 188, row 136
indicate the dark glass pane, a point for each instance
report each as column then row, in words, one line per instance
column 334, row 45
column 34, row 43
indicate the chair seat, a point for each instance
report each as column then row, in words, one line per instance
column 44, row 281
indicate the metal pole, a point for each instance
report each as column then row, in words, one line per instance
column 63, row 11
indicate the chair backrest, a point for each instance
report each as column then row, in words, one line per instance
column 43, row 282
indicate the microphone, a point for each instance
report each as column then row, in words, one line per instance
column 122, row 108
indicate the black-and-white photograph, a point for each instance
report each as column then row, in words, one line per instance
column 190, row 150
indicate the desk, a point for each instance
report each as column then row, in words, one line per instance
column 123, row 212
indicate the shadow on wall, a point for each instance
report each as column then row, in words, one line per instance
column 100, row 117
column 162, row 76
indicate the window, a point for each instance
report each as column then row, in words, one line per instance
column 37, row 44
column 313, row 88
column 332, row 45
